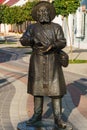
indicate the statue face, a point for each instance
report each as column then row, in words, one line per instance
column 43, row 15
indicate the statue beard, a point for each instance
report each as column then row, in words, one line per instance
column 44, row 19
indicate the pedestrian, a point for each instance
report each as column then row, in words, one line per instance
column 45, row 70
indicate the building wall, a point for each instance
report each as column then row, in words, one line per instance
column 81, row 40
column 77, row 32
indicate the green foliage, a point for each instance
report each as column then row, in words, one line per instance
column 27, row 8
column 8, row 15
column 16, row 14
column 2, row 8
column 65, row 7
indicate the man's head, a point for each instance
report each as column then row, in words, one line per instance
column 43, row 12
column 43, row 15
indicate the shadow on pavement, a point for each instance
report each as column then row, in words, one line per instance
column 72, row 100
column 4, row 81
column 12, row 53
column 12, row 38
column 77, row 90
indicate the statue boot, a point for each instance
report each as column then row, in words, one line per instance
column 38, row 109
column 57, row 111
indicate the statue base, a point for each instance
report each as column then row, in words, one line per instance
column 41, row 125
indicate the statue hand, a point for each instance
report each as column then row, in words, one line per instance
column 45, row 48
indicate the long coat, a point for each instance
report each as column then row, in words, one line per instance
column 45, row 72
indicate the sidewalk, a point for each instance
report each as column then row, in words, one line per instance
column 76, row 53
column 17, row 105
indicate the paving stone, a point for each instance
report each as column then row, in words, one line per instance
column 13, row 96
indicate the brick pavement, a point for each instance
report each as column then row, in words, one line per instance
column 16, row 105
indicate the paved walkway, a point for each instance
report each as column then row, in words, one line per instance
column 16, row 105
column 77, row 53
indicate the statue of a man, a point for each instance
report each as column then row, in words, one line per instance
column 45, row 71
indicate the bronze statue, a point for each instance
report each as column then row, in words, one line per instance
column 45, row 70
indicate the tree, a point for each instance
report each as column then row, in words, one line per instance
column 8, row 16
column 27, row 8
column 14, row 15
column 66, row 7
column 2, row 8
